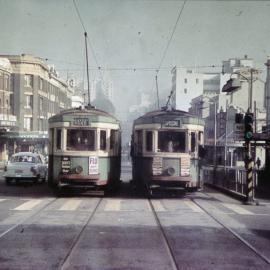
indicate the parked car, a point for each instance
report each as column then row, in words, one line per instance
column 26, row 166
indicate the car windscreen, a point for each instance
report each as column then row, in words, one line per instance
column 81, row 140
column 24, row 158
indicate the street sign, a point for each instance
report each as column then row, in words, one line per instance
column 239, row 131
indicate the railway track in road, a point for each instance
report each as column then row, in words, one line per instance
column 29, row 217
column 166, row 240
column 238, row 236
column 61, row 265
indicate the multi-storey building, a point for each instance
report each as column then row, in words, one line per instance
column 37, row 94
column 8, row 121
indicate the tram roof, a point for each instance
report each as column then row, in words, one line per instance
column 159, row 116
column 80, row 111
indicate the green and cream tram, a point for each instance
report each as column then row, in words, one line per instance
column 84, row 149
column 165, row 146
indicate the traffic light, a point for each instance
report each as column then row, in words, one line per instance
column 248, row 126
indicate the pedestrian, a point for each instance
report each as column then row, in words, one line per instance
column 258, row 163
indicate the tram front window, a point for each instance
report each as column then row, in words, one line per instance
column 80, row 140
column 172, row 141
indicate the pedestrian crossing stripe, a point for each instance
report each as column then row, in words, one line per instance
column 193, row 206
column 70, row 205
column 158, row 206
column 237, row 209
column 28, row 205
column 113, row 205
column 2, row 200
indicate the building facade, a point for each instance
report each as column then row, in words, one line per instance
column 8, row 121
column 37, row 94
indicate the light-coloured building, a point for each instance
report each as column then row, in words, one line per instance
column 8, row 121
column 38, row 94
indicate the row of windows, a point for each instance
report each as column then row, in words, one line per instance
column 28, row 124
column 44, row 104
column 186, row 80
column 85, row 140
column 51, row 89
column 168, row 141
column 4, row 81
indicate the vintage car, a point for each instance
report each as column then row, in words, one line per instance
column 26, row 166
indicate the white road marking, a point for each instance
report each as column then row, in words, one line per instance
column 28, row 205
column 113, row 205
column 2, row 200
column 70, row 205
column 158, row 206
column 194, row 207
column 238, row 209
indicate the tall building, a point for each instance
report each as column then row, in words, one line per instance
column 186, row 85
column 8, row 121
column 37, row 93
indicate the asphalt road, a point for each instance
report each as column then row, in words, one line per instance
column 202, row 230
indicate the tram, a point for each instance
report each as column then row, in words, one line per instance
column 165, row 150
column 84, row 150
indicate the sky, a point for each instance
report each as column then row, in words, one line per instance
column 132, row 35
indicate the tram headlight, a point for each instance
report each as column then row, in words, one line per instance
column 78, row 169
column 170, row 171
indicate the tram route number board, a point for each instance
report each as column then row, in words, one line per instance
column 93, row 165
column 65, row 164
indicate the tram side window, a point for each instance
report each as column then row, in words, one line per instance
column 80, row 140
column 103, row 140
column 58, row 139
column 112, row 138
column 172, row 141
column 149, row 141
column 193, row 142
column 139, row 141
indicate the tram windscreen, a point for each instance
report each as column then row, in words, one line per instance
column 172, row 141
column 80, row 140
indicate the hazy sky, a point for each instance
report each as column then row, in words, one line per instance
column 134, row 34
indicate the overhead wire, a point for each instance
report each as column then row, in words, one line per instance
column 167, row 46
column 87, row 37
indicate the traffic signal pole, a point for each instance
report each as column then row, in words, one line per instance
column 248, row 158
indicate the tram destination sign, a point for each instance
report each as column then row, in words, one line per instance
column 171, row 124
column 81, row 122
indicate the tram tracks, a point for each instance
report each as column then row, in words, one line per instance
column 237, row 235
column 72, row 247
column 29, row 217
column 165, row 238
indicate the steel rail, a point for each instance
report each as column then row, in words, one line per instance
column 166, row 241
column 76, row 240
column 238, row 236
column 26, row 219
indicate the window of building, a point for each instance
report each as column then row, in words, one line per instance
column 103, row 140
column 197, row 80
column 185, row 80
column 40, row 84
column 193, row 142
column 58, row 138
column 172, row 141
column 28, row 80
column 41, row 105
column 149, row 141
column 29, row 101
column 28, row 123
column 6, row 82
column 83, row 140
column 185, row 90
column 1, row 81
